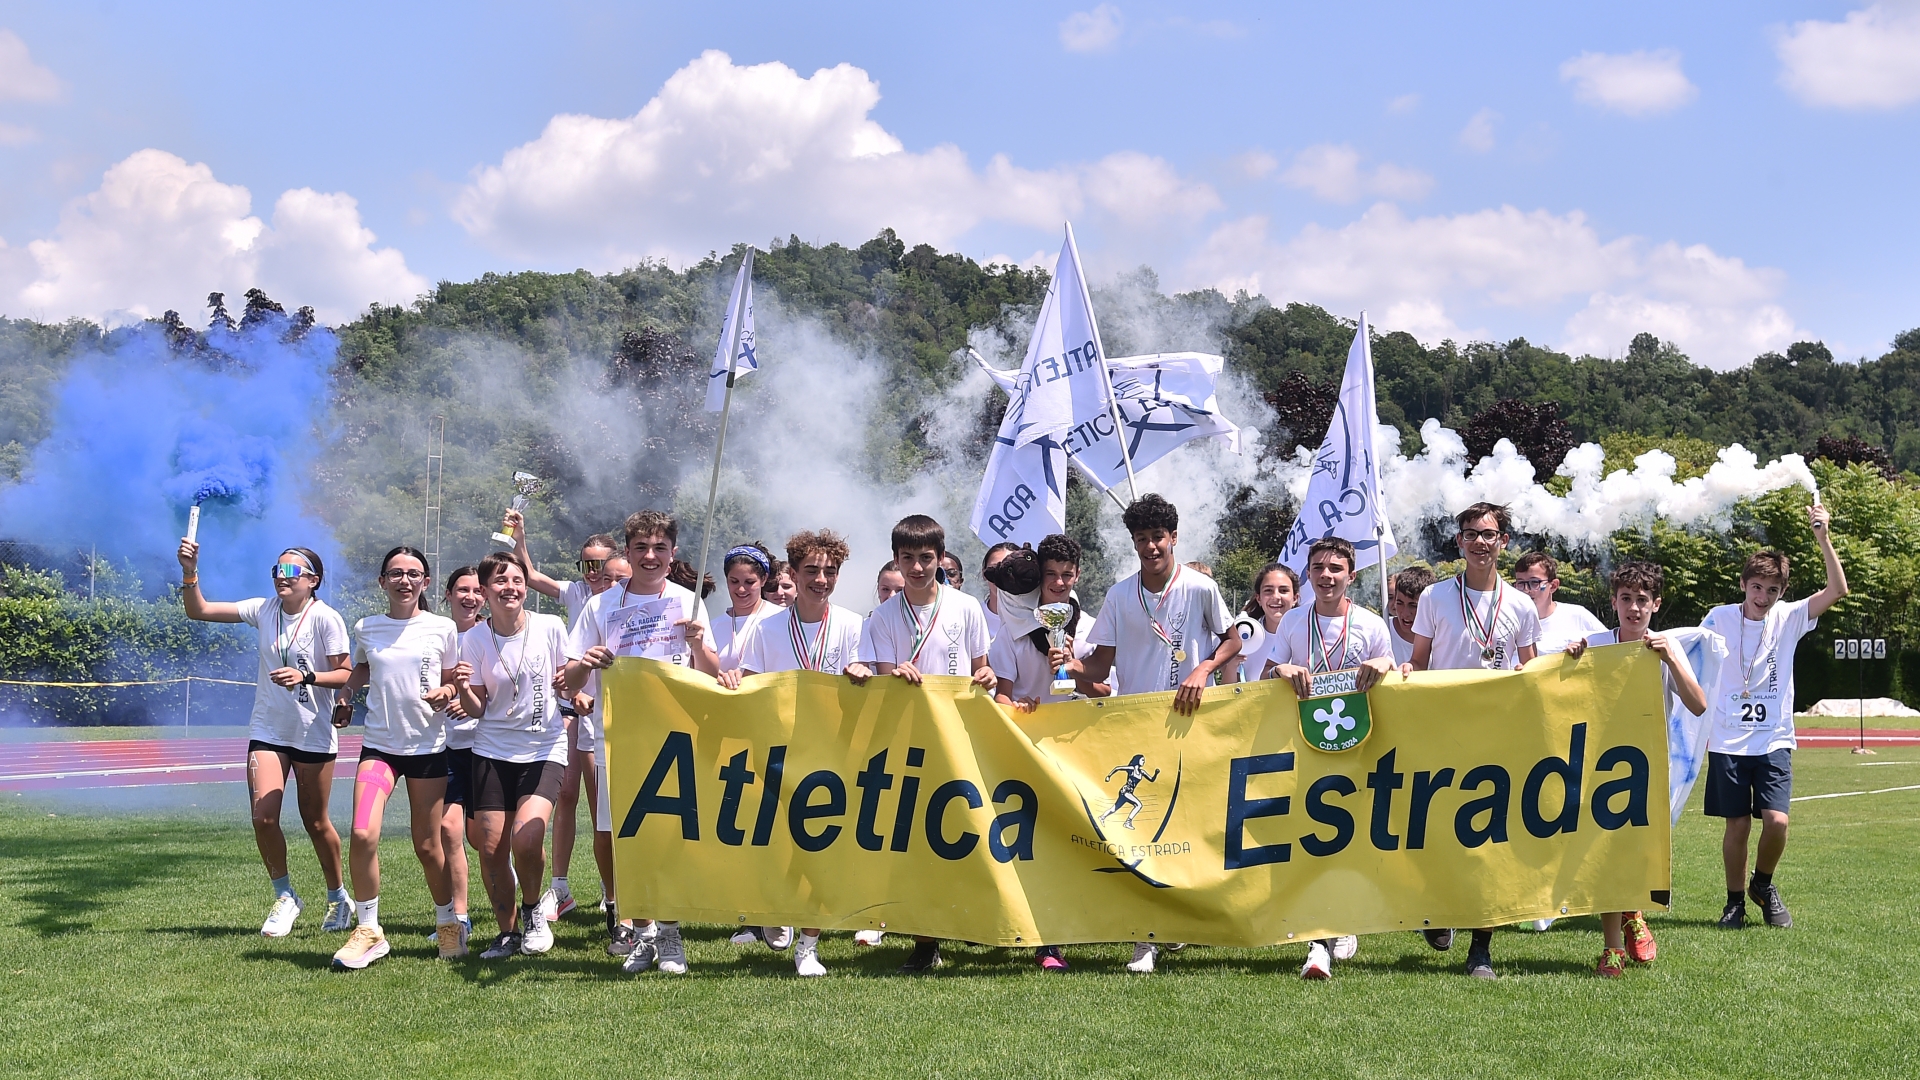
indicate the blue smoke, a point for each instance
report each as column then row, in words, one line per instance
column 141, row 433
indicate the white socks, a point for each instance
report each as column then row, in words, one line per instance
column 560, row 887
column 367, row 912
column 443, row 913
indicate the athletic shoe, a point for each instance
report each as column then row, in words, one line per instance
column 1640, row 944
column 640, row 959
column 286, row 908
column 604, row 906
column 538, row 937
column 366, row 945
column 1480, row 964
column 507, row 944
column 806, row 957
column 746, row 935
column 778, row 937
column 339, row 917
column 1440, row 940
column 452, row 937
column 1319, row 963
column 1612, row 965
column 1050, row 959
column 433, row 934
column 1174, row 946
column 1345, row 947
column 1767, row 899
column 1142, row 962
column 549, row 905
column 868, row 937
column 650, row 933
column 1734, row 917
column 925, row 957
column 670, row 952
column 564, row 905
column 622, row 940
column 1542, row 925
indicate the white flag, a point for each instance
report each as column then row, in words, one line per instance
column 733, row 357
column 1063, row 377
column 1343, row 495
column 1687, row 733
column 1023, row 496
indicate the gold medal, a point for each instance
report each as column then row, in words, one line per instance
column 1179, row 656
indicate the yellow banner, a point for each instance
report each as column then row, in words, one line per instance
column 1477, row 799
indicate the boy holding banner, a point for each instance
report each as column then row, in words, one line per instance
column 645, row 615
column 1475, row 620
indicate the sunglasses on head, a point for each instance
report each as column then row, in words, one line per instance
column 289, row 571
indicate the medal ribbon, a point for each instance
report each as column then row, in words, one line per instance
column 287, row 644
column 1321, row 656
column 1480, row 632
column 920, row 633
column 499, row 650
column 817, row 659
column 1153, row 612
column 1760, row 653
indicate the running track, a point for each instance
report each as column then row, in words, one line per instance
column 65, row 766
column 120, row 763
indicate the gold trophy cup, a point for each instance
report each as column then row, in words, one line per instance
column 526, row 485
column 1054, row 617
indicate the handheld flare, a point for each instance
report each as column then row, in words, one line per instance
column 193, row 523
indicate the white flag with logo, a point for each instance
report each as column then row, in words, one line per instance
column 1023, row 496
column 1061, row 379
column 1343, row 494
column 730, row 365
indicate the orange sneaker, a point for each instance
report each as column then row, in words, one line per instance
column 1612, row 965
column 1640, row 944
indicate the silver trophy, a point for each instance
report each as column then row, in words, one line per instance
column 1054, row 617
column 526, row 486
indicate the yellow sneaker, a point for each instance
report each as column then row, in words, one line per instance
column 363, row 947
column 453, row 939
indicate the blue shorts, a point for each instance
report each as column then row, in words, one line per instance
column 1742, row 785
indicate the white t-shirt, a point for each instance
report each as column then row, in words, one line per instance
column 1189, row 610
column 1759, row 664
column 958, row 635
column 1440, row 618
column 730, row 631
column 1367, row 639
column 993, row 623
column 302, row 717
column 631, row 624
column 1568, row 623
column 769, row 645
column 1402, row 646
column 1016, row 660
column 406, row 659
column 574, row 594
column 460, row 732
column 522, row 722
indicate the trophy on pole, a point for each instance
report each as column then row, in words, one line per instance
column 525, row 486
column 1054, row 617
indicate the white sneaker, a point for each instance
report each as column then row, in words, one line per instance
column 744, row 936
column 563, row 904
column 537, row 937
column 868, row 937
column 673, row 954
column 286, row 908
column 1319, row 963
column 778, row 937
column 549, row 906
column 806, row 958
column 640, row 959
column 1542, row 925
column 339, row 917
column 1143, row 954
column 650, row 932
column 1345, row 947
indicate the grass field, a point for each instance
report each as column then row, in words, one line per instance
column 129, row 947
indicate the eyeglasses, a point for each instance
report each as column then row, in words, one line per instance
column 288, row 571
column 1532, row 584
column 404, row 575
column 590, row 566
column 1491, row 536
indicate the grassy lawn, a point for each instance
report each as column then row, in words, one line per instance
column 129, row 947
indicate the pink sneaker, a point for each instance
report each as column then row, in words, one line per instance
column 1050, row 958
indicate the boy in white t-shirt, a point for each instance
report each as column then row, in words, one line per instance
column 1750, row 744
column 1403, row 606
column 930, row 629
column 1162, row 628
column 1475, row 620
column 1020, row 661
column 1538, row 575
column 1637, row 587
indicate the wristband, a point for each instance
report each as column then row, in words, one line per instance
column 306, row 678
column 186, row 581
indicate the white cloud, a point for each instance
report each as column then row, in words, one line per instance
column 1332, row 172
column 725, row 152
column 1091, row 31
column 1255, row 164
column 20, row 78
column 1417, row 271
column 1403, row 104
column 1477, row 136
column 1635, row 83
column 17, row 135
column 1869, row 61
column 160, row 233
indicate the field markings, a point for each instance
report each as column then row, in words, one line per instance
column 1844, row 794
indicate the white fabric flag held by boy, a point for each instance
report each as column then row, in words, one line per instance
column 733, row 357
column 1343, row 494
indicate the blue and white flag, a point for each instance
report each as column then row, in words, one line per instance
column 1686, row 733
column 1063, row 378
column 1343, row 494
column 733, row 358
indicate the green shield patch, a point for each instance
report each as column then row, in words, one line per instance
column 1334, row 717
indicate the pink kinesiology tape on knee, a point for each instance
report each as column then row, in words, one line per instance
column 374, row 773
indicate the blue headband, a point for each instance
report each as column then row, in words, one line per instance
column 751, row 554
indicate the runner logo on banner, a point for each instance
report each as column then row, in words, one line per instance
column 1334, row 716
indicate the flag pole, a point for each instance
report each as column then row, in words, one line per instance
column 1106, row 376
column 734, row 320
column 1379, row 514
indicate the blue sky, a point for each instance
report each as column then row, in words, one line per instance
column 1733, row 177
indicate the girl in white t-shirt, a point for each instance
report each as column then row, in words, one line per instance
column 779, row 588
column 747, row 569
column 467, row 605
column 506, row 678
column 1276, row 590
column 303, row 659
column 405, row 658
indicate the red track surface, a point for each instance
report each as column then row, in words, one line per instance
column 64, row 766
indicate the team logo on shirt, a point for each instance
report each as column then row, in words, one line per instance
column 1334, row 717
column 1129, row 803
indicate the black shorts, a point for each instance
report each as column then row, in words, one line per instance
column 412, row 766
column 302, row 757
column 501, row 785
column 1742, row 785
column 459, row 774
